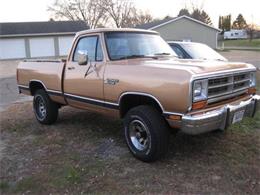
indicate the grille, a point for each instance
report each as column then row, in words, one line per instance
column 221, row 87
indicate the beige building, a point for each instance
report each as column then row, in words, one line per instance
column 184, row 28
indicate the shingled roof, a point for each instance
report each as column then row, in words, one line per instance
column 154, row 23
column 36, row 28
column 158, row 23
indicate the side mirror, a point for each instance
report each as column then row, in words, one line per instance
column 83, row 59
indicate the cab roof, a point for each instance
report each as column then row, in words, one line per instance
column 101, row 30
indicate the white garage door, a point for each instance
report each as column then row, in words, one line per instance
column 12, row 48
column 42, row 47
column 65, row 45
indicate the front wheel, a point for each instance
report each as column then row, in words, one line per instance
column 45, row 110
column 146, row 133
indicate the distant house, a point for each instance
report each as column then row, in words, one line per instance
column 235, row 34
column 37, row 39
column 184, row 28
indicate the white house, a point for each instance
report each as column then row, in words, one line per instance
column 37, row 39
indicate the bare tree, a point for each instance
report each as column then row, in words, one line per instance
column 90, row 11
column 141, row 17
column 137, row 17
column 120, row 11
column 100, row 13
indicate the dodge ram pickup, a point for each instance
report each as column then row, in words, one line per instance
column 134, row 75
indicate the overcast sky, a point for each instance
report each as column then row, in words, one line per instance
column 36, row 10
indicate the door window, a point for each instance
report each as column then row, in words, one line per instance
column 90, row 46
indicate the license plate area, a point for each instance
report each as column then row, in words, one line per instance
column 238, row 116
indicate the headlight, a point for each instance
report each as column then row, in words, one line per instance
column 200, row 90
column 252, row 79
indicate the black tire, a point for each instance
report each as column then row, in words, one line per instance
column 45, row 110
column 151, row 145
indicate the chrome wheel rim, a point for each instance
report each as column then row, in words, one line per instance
column 139, row 135
column 40, row 107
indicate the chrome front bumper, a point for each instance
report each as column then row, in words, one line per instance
column 220, row 118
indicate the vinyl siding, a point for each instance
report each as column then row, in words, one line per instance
column 185, row 29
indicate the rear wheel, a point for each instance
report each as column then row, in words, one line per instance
column 45, row 110
column 146, row 133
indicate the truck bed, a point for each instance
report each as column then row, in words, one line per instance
column 48, row 72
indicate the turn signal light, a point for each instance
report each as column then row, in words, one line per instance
column 175, row 117
column 252, row 90
column 199, row 105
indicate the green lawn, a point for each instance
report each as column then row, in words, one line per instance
column 243, row 43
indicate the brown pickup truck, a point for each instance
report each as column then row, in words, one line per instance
column 133, row 74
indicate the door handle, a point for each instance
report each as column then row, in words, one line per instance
column 71, row 68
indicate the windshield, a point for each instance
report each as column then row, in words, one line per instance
column 201, row 51
column 123, row 45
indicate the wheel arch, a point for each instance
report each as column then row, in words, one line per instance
column 129, row 100
column 34, row 85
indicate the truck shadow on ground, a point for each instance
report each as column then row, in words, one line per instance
column 102, row 127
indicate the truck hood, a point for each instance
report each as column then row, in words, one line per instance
column 196, row 67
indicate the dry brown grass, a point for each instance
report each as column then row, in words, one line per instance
column 86, row 153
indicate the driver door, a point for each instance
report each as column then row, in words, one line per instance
column 83, row 84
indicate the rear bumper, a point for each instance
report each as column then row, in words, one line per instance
column 220, row 118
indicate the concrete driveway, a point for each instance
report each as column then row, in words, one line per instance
column 8, row 87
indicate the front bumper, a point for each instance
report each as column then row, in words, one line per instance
column 219, row 118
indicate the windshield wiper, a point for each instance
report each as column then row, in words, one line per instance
column 220, row 60
column 137, row 56
column 163, row 53
column 217, row 59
